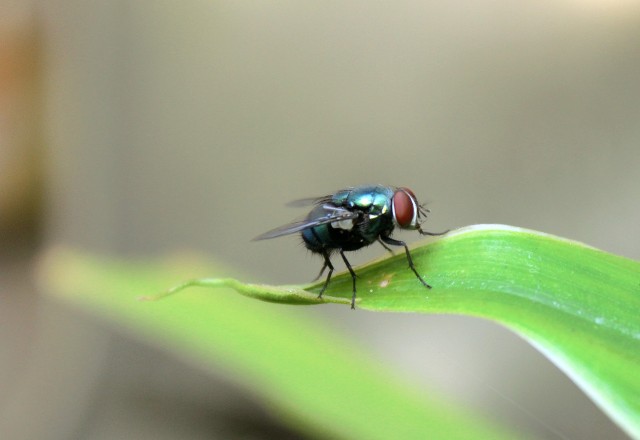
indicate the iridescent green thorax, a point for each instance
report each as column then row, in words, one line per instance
column 374, row 202
column 374, row 199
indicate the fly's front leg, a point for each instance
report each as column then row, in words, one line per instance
column 392, row 242
column 432, row 234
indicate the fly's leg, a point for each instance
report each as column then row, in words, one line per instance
column 392, row 242
column 353, row 278
column 324, row 266
column 327, row 263
column 385, row 246
column 432, row 234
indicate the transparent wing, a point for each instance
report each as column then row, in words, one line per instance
column 309, row 201
column 331, row 214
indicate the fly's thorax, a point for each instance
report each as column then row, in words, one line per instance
column 345, row 225
column 374, row 203
column 370, row 199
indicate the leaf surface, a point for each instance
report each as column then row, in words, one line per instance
column 578, row 305
column 307, row 373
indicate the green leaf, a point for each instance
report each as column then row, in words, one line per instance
column 579, row 306
column 309, row 374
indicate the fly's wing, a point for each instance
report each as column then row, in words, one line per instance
column 331, row 214
column 309, row 201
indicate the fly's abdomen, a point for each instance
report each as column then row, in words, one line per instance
column 322, row 237
column 316, row 239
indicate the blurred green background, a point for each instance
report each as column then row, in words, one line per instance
column 143, row 128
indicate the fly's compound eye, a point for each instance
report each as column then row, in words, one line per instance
column 411, row 194
column 405, row 209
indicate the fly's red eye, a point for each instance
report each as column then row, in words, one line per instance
column 408, row 191
column 404, row 209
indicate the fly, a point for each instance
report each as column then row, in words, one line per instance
column 354, row 218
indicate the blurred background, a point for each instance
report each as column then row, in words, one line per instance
column 141, row 128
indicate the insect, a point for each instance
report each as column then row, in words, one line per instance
column 353, row 218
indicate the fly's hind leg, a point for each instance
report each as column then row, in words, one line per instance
column 324, row 266
column 353, row 278
column 327, row 263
